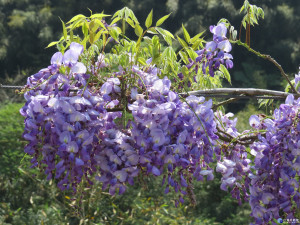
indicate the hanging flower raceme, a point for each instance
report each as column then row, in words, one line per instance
column 233, row 162
column 215, row 53
column 63, row 125
column 172, row 134
column 274, row 187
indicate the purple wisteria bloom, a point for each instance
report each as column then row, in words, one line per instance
column 215, row 53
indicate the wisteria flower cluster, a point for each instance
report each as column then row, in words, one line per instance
column 72, row 133
column 233, row 161
column 74, row 107
column 61, row 125
column 215, row 53
column 173, row 134
column 274, row 187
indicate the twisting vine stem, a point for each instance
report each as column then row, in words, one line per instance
column 269, row 58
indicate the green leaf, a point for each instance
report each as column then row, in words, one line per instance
column 184, row 57
column 225, row 72
column 93, row 26
column 114, row 34
column 142, row 61
column 132, row 16
column 130, row 22
column 77, row 24
column 152, row 31
column 182, row 42
column 197, row 36
column 97, row 36
column 169, row 53
column 192, row 54
column 168, row 33
column 92, row 38
column 288, row 86
column 99, row 15
column 161, row 20
column 52, row 44
column 185, row 71
column 115, row 20
column 148, row 22
column 196, row 44
column 186, row 34
column 85, row 29
column 64, row 29
column 138, row 30
column 99, row 22
column 76, row 18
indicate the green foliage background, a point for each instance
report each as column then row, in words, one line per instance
column 27, row 26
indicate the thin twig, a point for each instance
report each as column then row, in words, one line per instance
column 214, row 107
column 249, row 139
column 269, row 58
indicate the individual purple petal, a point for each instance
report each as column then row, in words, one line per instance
column 229, row 163
column 65, row 137
column 211, row 46
column 78, row 68
column 182, row 137
column 180, row 149
column 134, row 159
column 122, row 189
column 254, row 121
column 148, row 61
column 155, row 171
column 79, row 162
column 70, row 58
column 37, row 107
column 230, row 180
column 267, row 197
column 221, row 168
column 172, row 96
column 114, row 158
column 77, row 116
column 289, row 99
column 158, row 136
column 115, row 81
column 106, row 88
column 133, row 93
column 183, row 181
column 121, row 175
column 88, row 141
column 80, row 100
column 66, row 107
column 225, row 46
column 158, row 85
column 77, row 48
column 227, row 56
column 169, row 159
column 72, row 147
column 57, row 59
column 228, row 63
column 219, row 30
column 60, row 164
column 205, row 172
column 258, row 212
column 84, row 134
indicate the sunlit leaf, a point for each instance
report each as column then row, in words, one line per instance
column 161, row 20
column 186, row 34
column 148, row 22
